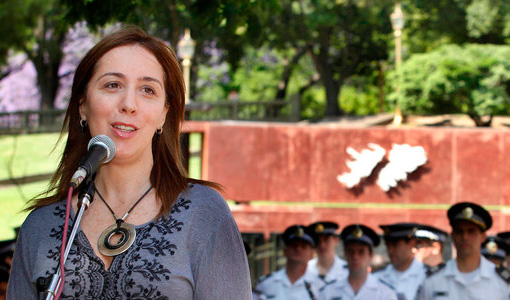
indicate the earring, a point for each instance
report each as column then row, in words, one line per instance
column 159, row 131
column 83, row 125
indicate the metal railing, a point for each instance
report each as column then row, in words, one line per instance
column 284, row 111
column 45, row 121
column 31, row 121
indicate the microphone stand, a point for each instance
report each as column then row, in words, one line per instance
column 84, row 199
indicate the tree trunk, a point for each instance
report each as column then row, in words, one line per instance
column 47, row 78
column 287, row 72
column 481, row 121
column 331, row 86
column 332, row 105
column 47, row 58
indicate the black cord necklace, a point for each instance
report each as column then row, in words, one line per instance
column 126, row 230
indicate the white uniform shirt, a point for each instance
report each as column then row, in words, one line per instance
column 278, row 286
column 372, row 289
column 447, row 283
column 403, row 283
column 337, row 271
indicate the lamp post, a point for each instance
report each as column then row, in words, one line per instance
column 397, row 22
column 186, row 49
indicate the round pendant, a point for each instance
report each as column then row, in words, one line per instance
column 127, row 237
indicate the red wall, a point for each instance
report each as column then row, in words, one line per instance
column 285, row 163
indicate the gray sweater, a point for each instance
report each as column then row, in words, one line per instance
column 195, row 252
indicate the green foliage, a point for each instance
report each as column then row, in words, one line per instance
column 343, row 37
column 472, row 79
column 489, row 20
column 359, row 97
column 256, row 79
column 313, row 102
column 25, row 24
column 258, row 74
column 429, row 24
column 231, row 23
column 37, row 28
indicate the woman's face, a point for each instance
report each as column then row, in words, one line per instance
column 125, row 100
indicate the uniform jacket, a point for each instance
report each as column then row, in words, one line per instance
column 447, row 283
column 277, row 286
column 338, row 270
column 372, row 289
column 406, row 283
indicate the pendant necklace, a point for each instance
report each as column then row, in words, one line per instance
column 126, row 230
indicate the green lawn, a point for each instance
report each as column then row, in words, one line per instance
column 12, row 202
column 32, row 154
column 29, row 154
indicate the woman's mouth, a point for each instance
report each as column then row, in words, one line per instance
column 124, row 128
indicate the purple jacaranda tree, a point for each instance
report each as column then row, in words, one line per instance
column 19, row 90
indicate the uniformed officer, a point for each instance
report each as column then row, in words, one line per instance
column 506, row 237
column 429, row 245
column 496, row 250
column 291, row 282
column 6, row 253
column 470, row 275
column 405, row 273
column 327, row 265
column 359, row 241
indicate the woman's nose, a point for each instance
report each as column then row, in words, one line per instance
column 128, row 104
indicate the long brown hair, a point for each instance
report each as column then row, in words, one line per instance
column 168, row 175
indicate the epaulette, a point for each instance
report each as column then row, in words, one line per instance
column 257, row 292
column 326, row 284
column 503, row 273
column 431, row 270
column 386, row 284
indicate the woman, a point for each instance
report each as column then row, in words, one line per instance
column 187, row 246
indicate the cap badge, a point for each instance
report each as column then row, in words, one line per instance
column 319, row 228
column 491, row 247
column 299, row 232
column 467, row 213
column 357, row 232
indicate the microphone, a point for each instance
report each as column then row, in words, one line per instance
column 101, row 149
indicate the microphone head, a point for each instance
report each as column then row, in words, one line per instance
column 105, row 142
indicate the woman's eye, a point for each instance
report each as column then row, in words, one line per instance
column 112, row 85
column 148, row 90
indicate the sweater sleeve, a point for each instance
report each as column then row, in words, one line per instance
column 222, row 270
column 20, row 285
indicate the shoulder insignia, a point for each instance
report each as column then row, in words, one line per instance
column 331, row 282
column 433, row 270
column 386, row 284
column 257, row 292
column 503, row 273
column 327, row 283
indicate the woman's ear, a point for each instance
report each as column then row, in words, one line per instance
column 81, row 110
column 163, row 117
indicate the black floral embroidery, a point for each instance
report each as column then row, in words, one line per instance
column 60, row 211
column 166, row 225
column 180, row 204
column 143, row 293
column 86, row 277
column 152, row 270
column 159, row 247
